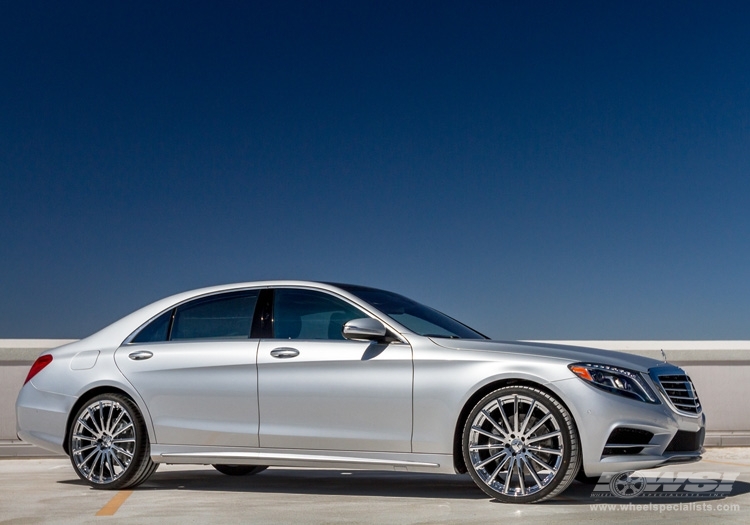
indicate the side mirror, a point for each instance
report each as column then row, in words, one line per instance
column 364, row 329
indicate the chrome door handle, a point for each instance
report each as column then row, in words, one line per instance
column 141, row 355
column 284, row 353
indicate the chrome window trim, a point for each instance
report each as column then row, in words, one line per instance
column 389, row 323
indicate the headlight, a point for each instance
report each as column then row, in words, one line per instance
column 616, row 380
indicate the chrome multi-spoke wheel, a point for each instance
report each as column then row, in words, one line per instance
column 108, row 443
column 520, row 445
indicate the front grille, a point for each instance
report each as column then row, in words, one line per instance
column 684, row 441
column 681, row 393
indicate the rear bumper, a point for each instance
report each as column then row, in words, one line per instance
column 41, row 418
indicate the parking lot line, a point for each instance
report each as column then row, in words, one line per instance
column 111, row 507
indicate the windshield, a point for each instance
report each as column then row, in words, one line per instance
column 420, row 319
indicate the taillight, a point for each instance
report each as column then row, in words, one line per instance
column 38, row 366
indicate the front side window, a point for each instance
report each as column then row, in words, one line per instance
column 308, row 314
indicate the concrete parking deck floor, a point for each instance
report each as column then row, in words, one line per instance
column 48, row 491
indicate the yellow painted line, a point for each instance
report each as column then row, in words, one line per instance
column 114, row 504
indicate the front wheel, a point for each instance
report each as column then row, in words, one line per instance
column 520, row 445
column 108, row 443
column 239, row 470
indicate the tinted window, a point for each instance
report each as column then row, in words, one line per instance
column 156, row 330
column 222, row 316
column 307, row 314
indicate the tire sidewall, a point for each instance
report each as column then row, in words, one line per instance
column 141, row 461
column 569, row 439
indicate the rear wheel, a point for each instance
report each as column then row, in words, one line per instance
column 520, row 445
column 239, row 470
column 108, row 443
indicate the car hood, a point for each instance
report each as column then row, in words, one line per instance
column 571, row 354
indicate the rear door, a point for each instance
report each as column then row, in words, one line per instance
column 194, row 366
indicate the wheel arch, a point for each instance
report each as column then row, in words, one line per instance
column 458, row 460
column 92, row 393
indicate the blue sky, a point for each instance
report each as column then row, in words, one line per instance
column 549, row 170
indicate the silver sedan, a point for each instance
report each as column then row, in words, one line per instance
column 303, row 374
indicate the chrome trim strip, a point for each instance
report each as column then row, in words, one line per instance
column 296, row 458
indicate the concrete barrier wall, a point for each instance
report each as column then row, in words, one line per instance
column 720, row 371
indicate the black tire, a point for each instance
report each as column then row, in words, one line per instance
column 108, row 443
column 146, row 474
column 520, row 445
column 239, row 470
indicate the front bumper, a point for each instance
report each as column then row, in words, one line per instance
column 619, row 434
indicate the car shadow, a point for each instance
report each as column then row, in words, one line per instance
column 384, row 484
column 316, row 482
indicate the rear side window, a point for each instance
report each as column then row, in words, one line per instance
column 157, row 330
column 224, row 316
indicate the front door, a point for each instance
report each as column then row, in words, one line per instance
column 319, row 391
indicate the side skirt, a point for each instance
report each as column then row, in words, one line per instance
column 438, row 463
